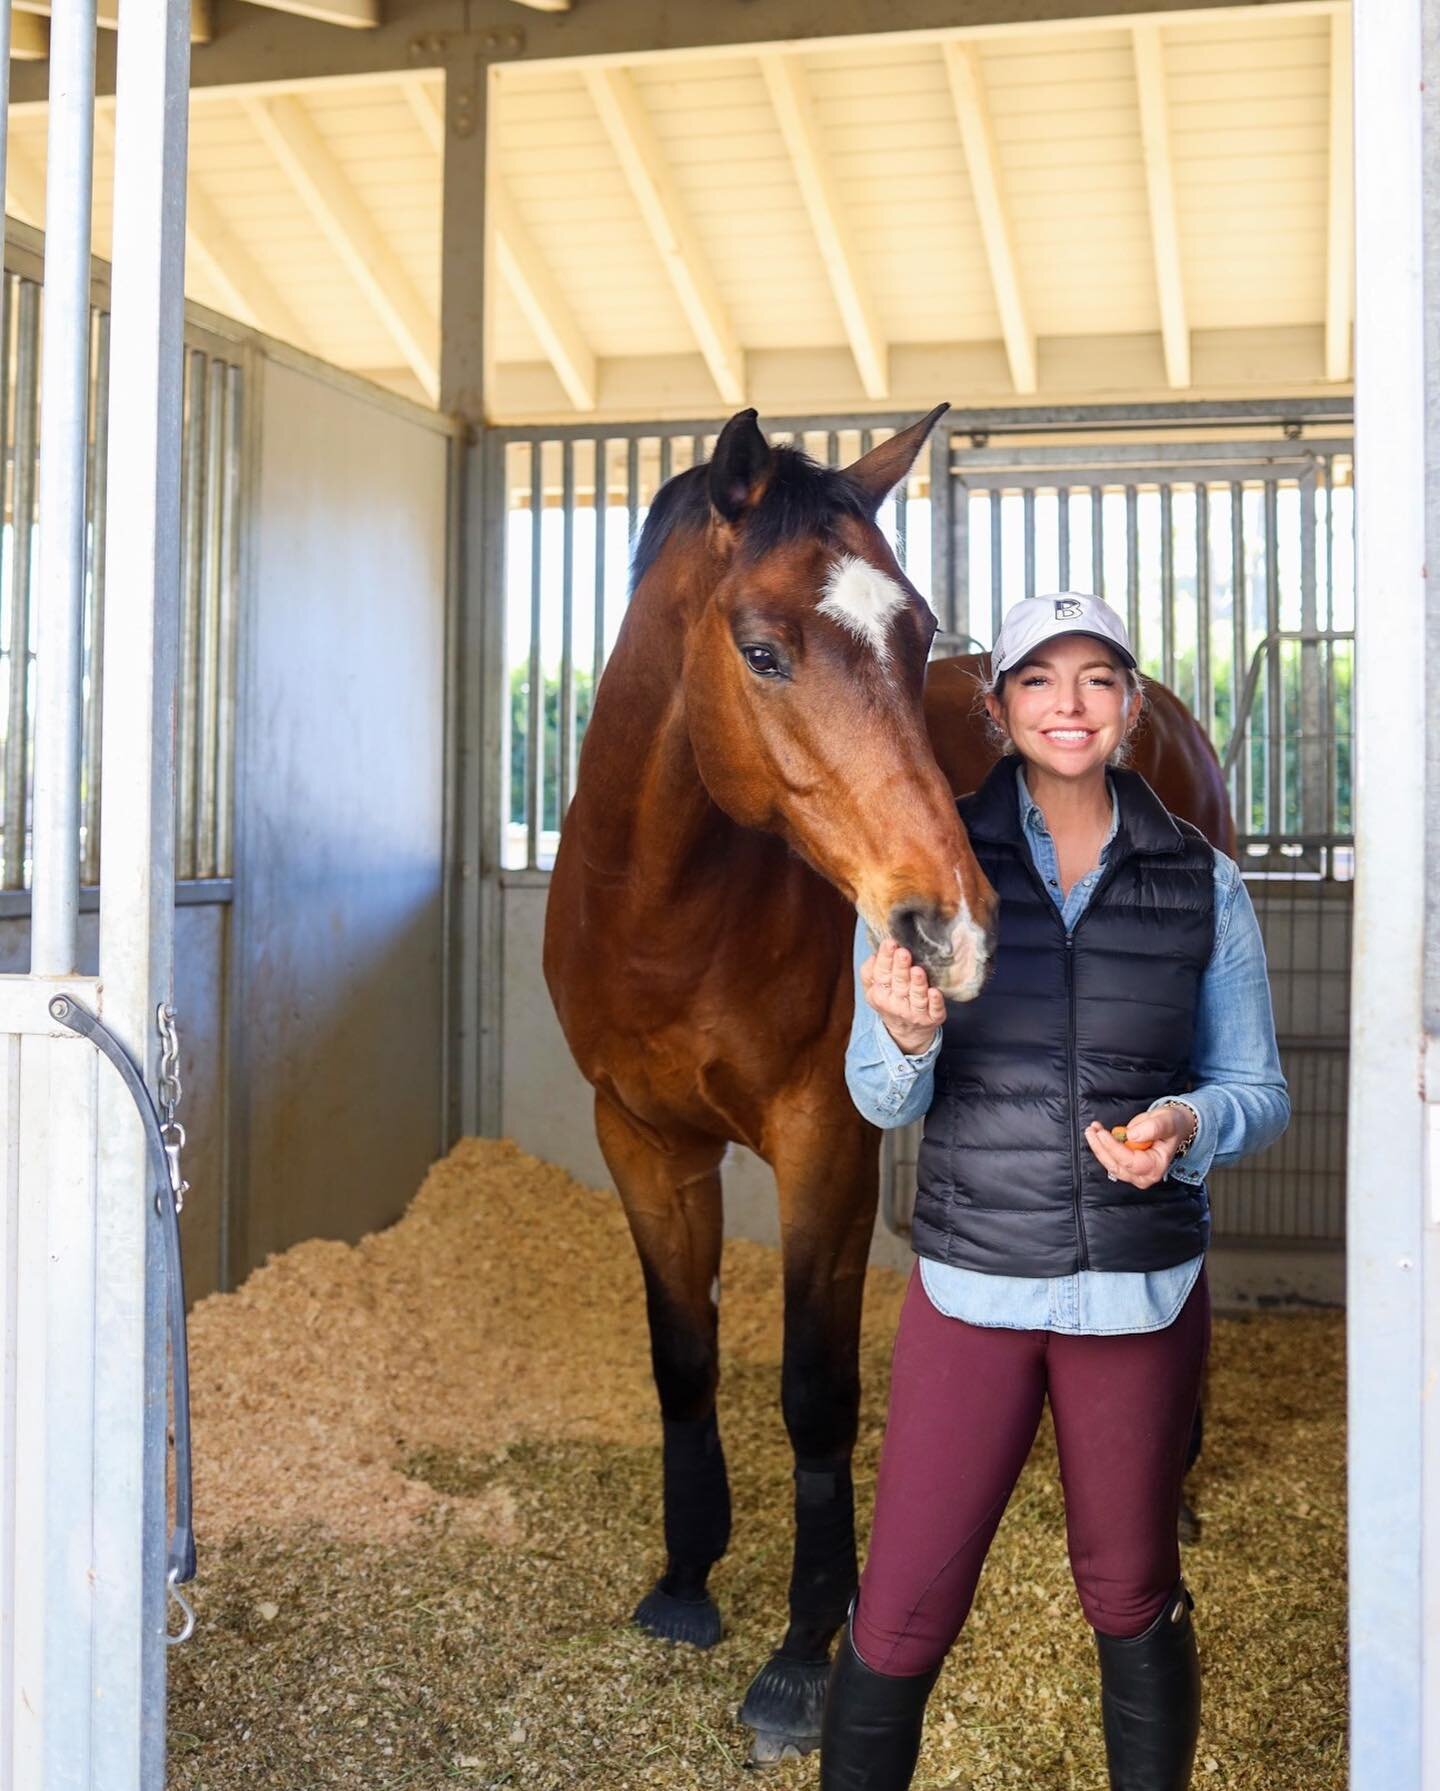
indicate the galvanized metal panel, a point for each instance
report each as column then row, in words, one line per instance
column 341, row 826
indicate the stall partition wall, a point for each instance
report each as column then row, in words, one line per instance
column 309, row 769
column 336, row 973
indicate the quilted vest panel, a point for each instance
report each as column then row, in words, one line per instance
column 1069, row 1029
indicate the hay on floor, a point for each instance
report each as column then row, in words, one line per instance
column 428, row 1497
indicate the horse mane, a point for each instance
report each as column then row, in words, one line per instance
column 801, row 498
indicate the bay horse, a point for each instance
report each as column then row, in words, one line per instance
column 764, row 758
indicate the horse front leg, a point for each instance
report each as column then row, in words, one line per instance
column 672, row 1201
column 826, row 1167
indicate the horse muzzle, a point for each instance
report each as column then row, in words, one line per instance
column 956, row 952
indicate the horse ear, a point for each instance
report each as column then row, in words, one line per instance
column 881, row 470
column 739, row 466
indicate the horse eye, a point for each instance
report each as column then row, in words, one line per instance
column 761, row 661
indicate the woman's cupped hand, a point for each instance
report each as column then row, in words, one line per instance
column 1160, row 1131
column 899, row 990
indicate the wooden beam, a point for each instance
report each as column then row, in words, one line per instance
column 235, row 274
column 521, row 265
column 428, row 106
column 292, row 139
column 790, row 96
column 1340, row 246
column 633, row 139
column 982, row 158
column 29, row 37
column 107, row 15
column 245, row 292
column 356, row 15
column 1164, row 216
column 540, row 298
column 24, row 187
column 264, row 51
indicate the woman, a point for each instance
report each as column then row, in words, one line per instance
column 1055, row 1260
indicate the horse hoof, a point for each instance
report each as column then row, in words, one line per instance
column 783, row 1706
column 695, row 1621
column 1189, row 1526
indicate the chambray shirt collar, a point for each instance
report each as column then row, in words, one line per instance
column 1032, row 816
column 1045, row 856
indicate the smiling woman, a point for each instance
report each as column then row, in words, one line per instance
column 1057, row 1263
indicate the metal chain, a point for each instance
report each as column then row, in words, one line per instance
column 171, row 1131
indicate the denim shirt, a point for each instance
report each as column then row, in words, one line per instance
column 1239, row 1094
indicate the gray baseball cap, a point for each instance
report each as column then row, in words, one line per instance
column 1036, row 619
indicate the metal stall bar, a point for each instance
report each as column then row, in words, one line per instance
column 1240, row 635
column 207, row 769
column 230, row 524
column 65, row 406
column 535, row 703
column 95, row 629
column 602, row 506
column 1274, row 753
column 17, row 730
column 1204, row 684
column 945, row 500
column 192, row 506
column 137, row 902
column 1315, row 814
column 566, row 745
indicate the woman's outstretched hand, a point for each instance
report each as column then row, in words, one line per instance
column 1162, row 1130
column 901, row 993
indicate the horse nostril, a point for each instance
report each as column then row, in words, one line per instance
column 923, row 933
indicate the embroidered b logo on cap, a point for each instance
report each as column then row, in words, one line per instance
column 1032, row 621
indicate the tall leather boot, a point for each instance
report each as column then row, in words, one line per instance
column 870, row 1733
column 1150, row 1700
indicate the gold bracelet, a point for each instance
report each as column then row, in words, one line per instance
column 1194, row 1125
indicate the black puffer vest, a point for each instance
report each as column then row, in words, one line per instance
column 1068, row 1030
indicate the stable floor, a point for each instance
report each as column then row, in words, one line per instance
column 428, row 1497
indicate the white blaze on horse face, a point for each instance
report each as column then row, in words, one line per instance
column 862, row 599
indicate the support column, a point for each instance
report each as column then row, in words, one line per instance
column 476, row 706
column 1394, row 1159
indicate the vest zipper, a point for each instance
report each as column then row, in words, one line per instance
column 1072, row 1048
column 1072, row 1063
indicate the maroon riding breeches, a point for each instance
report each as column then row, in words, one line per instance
column 965, row 1403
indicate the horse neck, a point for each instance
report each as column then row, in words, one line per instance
column 646, row 813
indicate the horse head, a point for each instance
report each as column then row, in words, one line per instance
column 803, row 677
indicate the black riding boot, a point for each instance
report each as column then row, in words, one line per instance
column 1150, row 1700
column 870, row 1733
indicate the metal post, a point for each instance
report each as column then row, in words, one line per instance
column 17, row 760
column 479, row 718
column 137, row 897
column 565, row 768
column 1393, row 1226
column 602, row 506
column 535, row 705
column 1205, row 690
column 95, row 675
column 207, row 738
column 65, row 407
